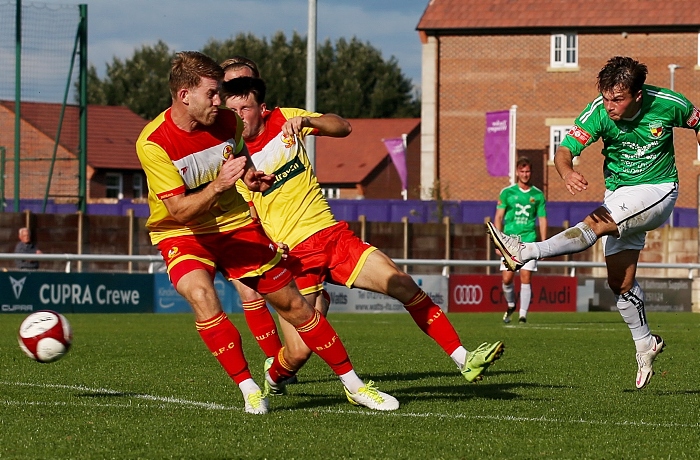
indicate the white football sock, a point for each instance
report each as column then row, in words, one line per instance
column 525, row 297
column 352, row 381
column 459, row 356
column 570, row 241
column 509, row 294
column 248, row 386
column 631, row 307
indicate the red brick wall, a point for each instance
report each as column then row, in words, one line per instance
column 36, row 153
column 35, row 160
column 478, row 74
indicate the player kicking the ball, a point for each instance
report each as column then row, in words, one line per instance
column 635, row 122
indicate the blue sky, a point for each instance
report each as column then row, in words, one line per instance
column 117, row 27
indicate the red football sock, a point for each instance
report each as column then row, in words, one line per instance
column 224, row 342
column 432, row 320
column 321, row 338
column 280, row 369
column 262, row 325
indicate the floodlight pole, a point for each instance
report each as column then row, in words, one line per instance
column 311, row 78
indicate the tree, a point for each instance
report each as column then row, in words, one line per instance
column 353, row 80
column 140, row 83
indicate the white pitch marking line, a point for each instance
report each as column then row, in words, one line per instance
column 184, row 402
column 213, row 406
column 563, row 328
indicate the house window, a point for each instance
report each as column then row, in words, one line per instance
column 113, row 185
column 564, row 50
column 331, row 193
column 556, row 135
column 137, row 181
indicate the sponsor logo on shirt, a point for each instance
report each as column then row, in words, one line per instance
column 694, row 118
column 579, row 134
column 656, row 128
column 288, row 171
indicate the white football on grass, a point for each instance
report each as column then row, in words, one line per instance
column 45, row 336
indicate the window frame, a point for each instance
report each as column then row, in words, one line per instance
column 554, row 129
column 119, row 188
column 564, row 49
column 137, row 187
column 330, row 193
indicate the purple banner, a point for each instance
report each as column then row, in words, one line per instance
column 397, row 152
column 497, row 143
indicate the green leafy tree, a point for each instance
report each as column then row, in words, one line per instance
column 140, row 83
column 353, row 80
column 281, row 64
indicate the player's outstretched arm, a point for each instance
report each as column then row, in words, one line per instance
column 564, row 162
column 328, row 124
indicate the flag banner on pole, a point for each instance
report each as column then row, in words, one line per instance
column 497, row 143
column 397, row 152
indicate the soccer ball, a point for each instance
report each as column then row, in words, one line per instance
column 45, row 336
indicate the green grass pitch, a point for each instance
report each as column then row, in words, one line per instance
column 144, row 386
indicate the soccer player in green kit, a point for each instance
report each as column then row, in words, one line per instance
column 521, row 205
column 636, row 124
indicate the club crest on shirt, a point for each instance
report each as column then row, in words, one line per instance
column 656, row 129
column 288, row 142
column 173, row 252
column 228, row 150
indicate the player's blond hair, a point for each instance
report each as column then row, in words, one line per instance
column 189, row 67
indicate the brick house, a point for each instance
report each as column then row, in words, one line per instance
column 113, row 169
column 542, row 56
column 354, row 167
column 359, row 166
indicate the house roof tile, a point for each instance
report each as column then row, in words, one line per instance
column 350, row 159
column 112, row 131
column 500, row 14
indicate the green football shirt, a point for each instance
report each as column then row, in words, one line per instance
column 640, row 150
column 522, row 209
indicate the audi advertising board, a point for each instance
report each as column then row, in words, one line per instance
column 483, row 293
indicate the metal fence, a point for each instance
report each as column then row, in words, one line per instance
column 156, row 262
